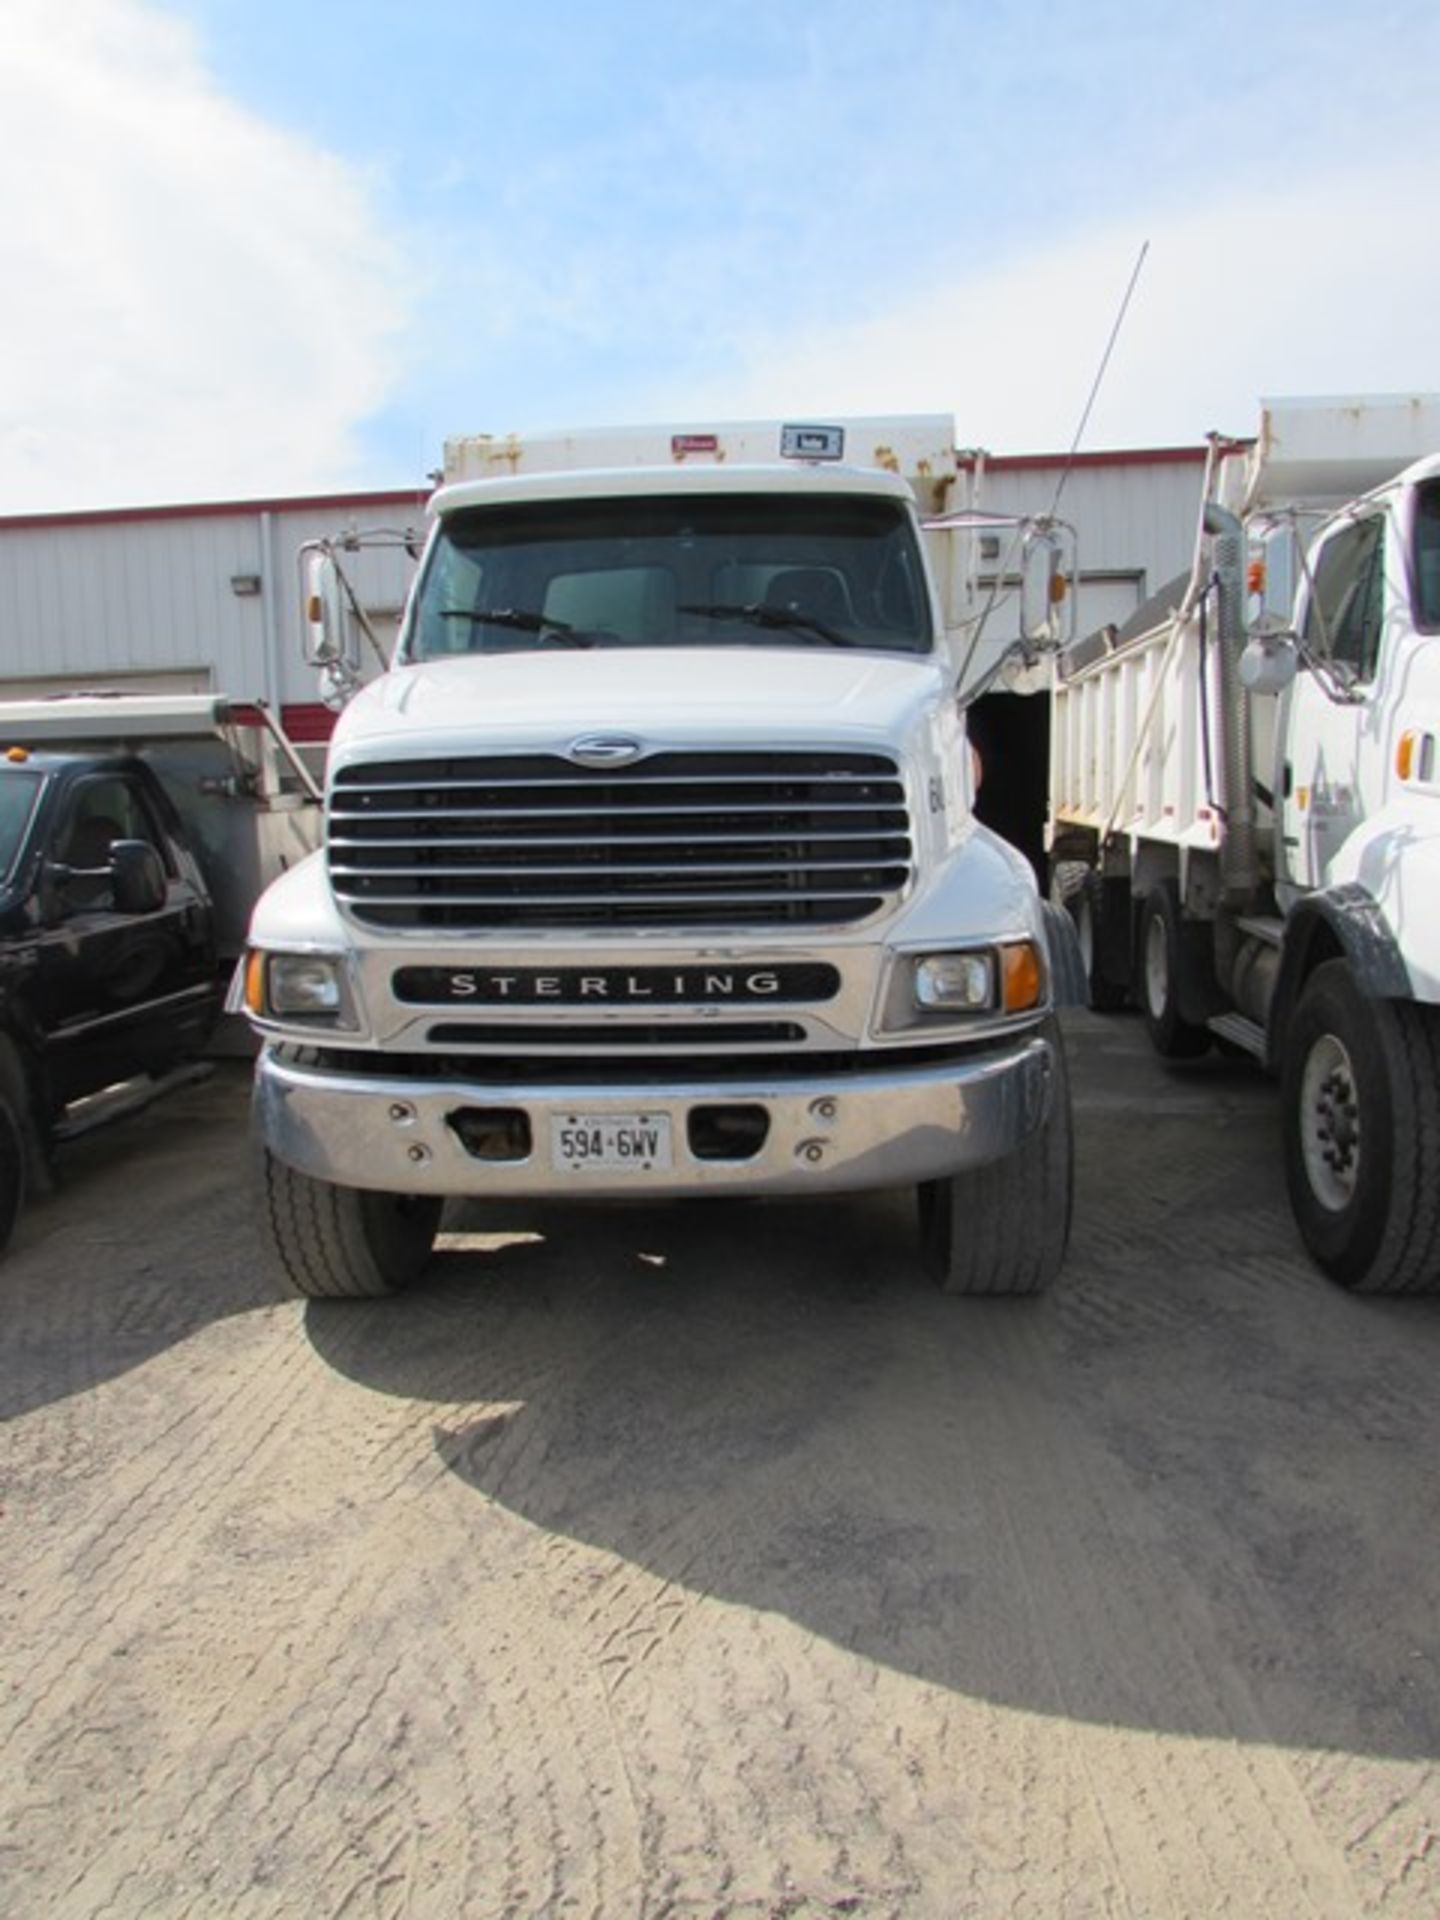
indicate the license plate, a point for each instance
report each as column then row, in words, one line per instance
column 610, row 1142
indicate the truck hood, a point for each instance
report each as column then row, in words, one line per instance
column 712, row 696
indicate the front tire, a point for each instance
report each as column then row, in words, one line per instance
column 339, row 1243
column 1162, row 954
column 1361, row 1098
column 1002, row 1229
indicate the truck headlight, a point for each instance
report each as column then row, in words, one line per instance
column 954, row 982
column 298, row 986
column 931, row 989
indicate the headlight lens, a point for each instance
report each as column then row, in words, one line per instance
column 955, row 982
column 303, row 983
column 965, row 985
column 298, row 986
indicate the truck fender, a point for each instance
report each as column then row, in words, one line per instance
column 1346, row 919
column 1068, row 985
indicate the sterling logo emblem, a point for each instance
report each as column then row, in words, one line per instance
column 604, row 750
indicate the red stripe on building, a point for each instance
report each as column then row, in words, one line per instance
column 308, row 722
column 305, row 722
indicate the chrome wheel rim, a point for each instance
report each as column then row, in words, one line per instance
column 1330, row 1124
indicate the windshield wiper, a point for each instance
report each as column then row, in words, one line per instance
column 789, row 619
column 528, row 621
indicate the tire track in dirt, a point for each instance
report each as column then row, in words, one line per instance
column 1190, row 1803
column 161, row 1493
column 677, row 1564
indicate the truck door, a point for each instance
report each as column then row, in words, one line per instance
column 117, row 994
column 1333, row 718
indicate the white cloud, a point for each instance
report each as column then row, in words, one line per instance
column 1324, row 287
column 197, row 304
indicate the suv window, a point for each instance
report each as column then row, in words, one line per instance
column 1346, row 610
column 100, row 812
column 18, row 794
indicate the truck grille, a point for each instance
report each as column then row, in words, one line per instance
column 678, row 840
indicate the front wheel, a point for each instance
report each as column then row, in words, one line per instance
column 330, row 1243
column 1003, row 1228
column 1361, row 1097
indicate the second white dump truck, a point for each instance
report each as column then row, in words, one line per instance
column 1246, row 813
column 651, row 868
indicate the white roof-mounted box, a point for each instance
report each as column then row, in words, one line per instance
column 1322, row 452
column 918, row 447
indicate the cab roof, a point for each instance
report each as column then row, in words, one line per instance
column 602, row 483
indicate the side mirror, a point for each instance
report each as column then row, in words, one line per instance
column 137, row 877
column 1269, row 661
column 324, row 608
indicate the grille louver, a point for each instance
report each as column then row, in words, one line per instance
column 679, row 839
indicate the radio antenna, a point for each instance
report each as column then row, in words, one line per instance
column 1099, row 375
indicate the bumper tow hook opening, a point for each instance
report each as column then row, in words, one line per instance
column 492, row 1133
column 728, row 1132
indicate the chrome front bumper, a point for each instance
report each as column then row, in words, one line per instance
column 889, row 1126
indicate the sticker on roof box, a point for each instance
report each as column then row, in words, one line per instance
column 812, row 443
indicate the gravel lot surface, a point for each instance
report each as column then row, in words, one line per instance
column 701, row 1561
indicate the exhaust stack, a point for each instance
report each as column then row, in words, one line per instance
column 1239, row 855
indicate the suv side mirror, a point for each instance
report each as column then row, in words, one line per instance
column 137, row 877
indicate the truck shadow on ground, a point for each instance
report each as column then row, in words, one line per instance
column 1191, row 1491
column 144, row 1239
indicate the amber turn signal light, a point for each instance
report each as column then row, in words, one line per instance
column 1022, row 976
column 255, row 981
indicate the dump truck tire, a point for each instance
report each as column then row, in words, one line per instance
column 1361, row 1100
column 1002, row 1229
column 326, row 1242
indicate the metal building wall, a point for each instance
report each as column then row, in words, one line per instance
column 104, row 597
column 1135, row 515
column 204, row 596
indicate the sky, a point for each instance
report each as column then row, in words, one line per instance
column 256, row 249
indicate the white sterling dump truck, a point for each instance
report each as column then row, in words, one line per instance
column 651, row 868
column 1246, row 813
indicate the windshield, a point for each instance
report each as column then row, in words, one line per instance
column 1427, row 556
column 790, row 570
column 18, row 794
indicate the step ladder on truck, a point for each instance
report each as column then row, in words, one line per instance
column 1245, row 812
